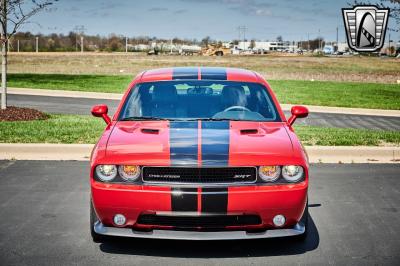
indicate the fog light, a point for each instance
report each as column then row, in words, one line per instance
column 119, row 219
column 279, row 220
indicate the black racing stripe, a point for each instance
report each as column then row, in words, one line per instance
column 183, row 142
column 215, row 143
column 185, row 73
column 213, row 73
column 184, row 199
column 214, row 200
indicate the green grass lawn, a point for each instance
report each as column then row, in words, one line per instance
column 94, row 83
column 342, row 94
column 87, row 129
column 325, row 93
column 57, row 129
column 328, row 136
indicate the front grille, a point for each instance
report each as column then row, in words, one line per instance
column 206, row 221
column 200, row 175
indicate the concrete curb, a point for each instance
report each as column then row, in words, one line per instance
column 62, row 93
column 44, row 151
column 353, row 154
column 117, row 96
column 317, row 154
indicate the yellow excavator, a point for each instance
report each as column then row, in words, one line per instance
column 214, row 49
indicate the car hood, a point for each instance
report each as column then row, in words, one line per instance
column 199, row 143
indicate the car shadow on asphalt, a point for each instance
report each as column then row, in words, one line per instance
column 213, row 249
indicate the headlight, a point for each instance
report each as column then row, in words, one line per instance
column 269, row 173
column 106, row 172
column 292, row 173
column 129, row 172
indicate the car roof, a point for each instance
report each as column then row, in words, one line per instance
column 199, row 73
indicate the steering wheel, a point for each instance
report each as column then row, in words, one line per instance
column 236, row 107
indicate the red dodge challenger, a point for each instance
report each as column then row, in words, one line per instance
column 199, row 153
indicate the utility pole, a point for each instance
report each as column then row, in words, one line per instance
column 337, row 40
column 319, row 39
column 238, row 28
column 308, row 41
column 337, row 37
column 126, row 44
column 18, row 46
column 244, row 38
column 390, row 50
column 81, row 44
column 242, row 29
column 37, row 44
column 79, row 31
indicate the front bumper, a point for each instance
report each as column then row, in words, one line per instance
column 133, row 201
column 99, row 228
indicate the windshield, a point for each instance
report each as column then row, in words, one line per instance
column 199, row 99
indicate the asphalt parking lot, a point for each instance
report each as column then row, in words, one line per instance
column 354, row 212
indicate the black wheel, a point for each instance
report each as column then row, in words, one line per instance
column 219, row 53
column 97, row 238
column 304, row 221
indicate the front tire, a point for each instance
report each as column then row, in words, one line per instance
column 97, row 238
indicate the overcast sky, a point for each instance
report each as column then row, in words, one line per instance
column 218, row 19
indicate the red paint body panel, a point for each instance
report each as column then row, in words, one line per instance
column 266, row 201
column 127, row 142
column 269, row 146
column 130, row 145
column 157, row 75
column 241, row 75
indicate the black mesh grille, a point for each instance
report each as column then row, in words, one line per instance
column 199, row 175
column 207, row 221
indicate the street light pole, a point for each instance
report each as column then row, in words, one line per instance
column 319, row 39
column 37, row 44
column 126, row 44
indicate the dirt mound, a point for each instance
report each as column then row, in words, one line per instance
column 13, row 113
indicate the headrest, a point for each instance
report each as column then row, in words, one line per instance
column 232, row 96
column 165, row 94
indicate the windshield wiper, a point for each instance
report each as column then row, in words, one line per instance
column 139, row 118
column 210, row 119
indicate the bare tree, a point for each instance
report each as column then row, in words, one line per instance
column 13, row 14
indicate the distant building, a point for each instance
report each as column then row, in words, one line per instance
column 343, row 47
column 140, row 47
column 268, row 46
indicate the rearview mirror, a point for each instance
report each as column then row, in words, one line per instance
column 297, row 111
column 101, row 110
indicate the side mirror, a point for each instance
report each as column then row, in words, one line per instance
column 101, row 110
column 298, row 111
